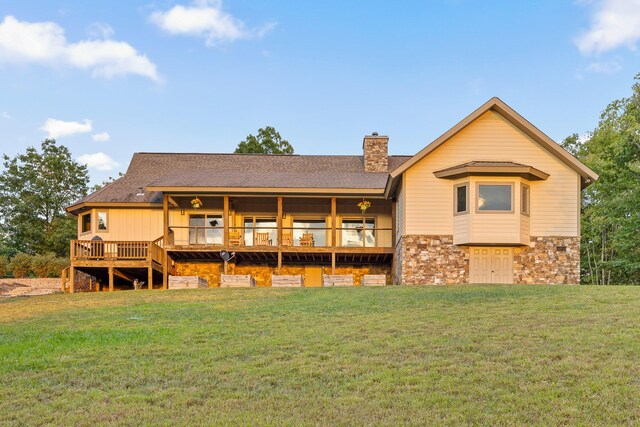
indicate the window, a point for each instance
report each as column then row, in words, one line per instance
column 524, row 193
column 102, row 221
column 253, row 225
column 495, row 197
column 461, row 195
column 206, row 229
column 358, row 232
column 85, row 222
column 317, row 227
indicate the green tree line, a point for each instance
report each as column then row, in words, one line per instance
column 610, row 220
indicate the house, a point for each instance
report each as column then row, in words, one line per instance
column 492, row 200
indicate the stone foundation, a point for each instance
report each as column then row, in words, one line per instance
column 262, row 272
column 548, row 260
column 431, row 260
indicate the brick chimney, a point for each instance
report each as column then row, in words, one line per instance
column 376, row 153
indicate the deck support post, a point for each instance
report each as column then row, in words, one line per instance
column 72, row 279
column 333, row 262
column 150, row 277
column 333, row 235
column 279, row 262
column 63, row 279
column 225, row 221
column 111, row 279
column 165, row 271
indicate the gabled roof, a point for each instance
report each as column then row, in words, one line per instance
column 497, row 105
column 158, row 172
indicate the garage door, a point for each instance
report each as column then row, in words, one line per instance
column 491, row 265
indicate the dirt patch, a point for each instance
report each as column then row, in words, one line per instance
column 28, row 287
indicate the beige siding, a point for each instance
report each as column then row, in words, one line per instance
column 429, row 200
column 524, row 229
column 461, row 233
column 126, row 224
column 400, row 210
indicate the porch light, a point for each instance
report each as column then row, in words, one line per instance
column 196, row 203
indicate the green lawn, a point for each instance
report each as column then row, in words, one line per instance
column 410, row 355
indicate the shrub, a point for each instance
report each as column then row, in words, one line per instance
column 21, row 265
column 4, row 266
column 47, row 265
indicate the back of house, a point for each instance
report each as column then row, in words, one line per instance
column 492, row 200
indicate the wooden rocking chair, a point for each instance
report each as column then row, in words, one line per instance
column 307, row 240
column 262, row 239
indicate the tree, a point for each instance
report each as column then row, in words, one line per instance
column 611, row 206
column 268, row 141
column 106, row 182
column 35, row 188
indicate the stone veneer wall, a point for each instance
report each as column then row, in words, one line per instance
column 542, row 262
column 262, row 272
column 422, row 259
column 431, row 260
column 376, row 153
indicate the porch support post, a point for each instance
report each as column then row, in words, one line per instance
column 279, row 232
column 111, row 279
column 165, row 216
column 72, row 279
column 333, row 222
column 150, row 277
column 279, row 221
column 333, row 235
column 225, row 220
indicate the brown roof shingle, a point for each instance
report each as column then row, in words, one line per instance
column 238, row 170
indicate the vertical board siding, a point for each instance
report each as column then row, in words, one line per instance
column 429, row 200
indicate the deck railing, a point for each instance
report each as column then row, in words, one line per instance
column 365, row 237
column 116, row 250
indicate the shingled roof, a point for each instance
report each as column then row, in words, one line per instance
column 153, row 171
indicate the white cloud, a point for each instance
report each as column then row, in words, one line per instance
column 606, row 67
column 101, row 137
column 98, row 161
column 6, row 115
column 100, row 30
column 45, row 43
column 615, row 23
column 56, row 128
column 207, row 20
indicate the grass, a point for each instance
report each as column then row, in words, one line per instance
column 410, row 355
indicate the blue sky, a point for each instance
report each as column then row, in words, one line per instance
column 109, row 78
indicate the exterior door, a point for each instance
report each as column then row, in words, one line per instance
column 491, row 265
column 312, row 277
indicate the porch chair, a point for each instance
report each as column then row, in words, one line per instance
column 262, row 239
column 287, row 239
column 235, row 238
column 307, row 239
